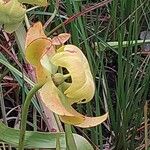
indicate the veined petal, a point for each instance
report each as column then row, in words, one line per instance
column 35, row 32
column 93, row 121
column 60, row 39
column 79, row 119
column 50, row 95
column 36, row 50
column 87, row 122
column 72, row 58
column 41, row 73
column 37, row 44
column 57, row 102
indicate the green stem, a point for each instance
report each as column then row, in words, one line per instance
column 25, row 112
column 71, row 145
column 27, row 22
column 66, row 76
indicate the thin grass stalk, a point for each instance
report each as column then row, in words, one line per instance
column 3, row 110
column 3, row 105
column 146, row 126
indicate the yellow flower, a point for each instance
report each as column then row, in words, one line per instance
column 72, row 58
column 11, row 14
column 43, row 53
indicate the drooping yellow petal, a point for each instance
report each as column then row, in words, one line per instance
column 93, row 121
column 79, row 119
column 37, row 44
column 56, row 101
column 35, row 32
column 11, row 14
column 50, row 96
column 87, row 121
column 36, row 50
column 72, row 120
column 41, row 73
column 35, row 2
column 60, row 39
column 72, row 58
column 69, row 115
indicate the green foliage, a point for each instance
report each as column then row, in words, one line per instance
column 40, row 139
column 109, row 37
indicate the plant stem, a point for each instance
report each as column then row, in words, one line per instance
column 66, row 76
column 25, row 112
column 27, row 22
column 2, row 104
column 71, row 145
column 145, row 121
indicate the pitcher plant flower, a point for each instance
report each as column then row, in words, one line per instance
column 12, row 12
column 66, row 73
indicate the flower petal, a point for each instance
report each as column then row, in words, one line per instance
column 58, row 103
column 92, row 121
column 60, row 39
column 50, row 95
column 72, row 58
column 86, row 123
column 79, row 119
column 41, row 73
column 34, row 32
column 36, row 49
column 46, row 62
column 40, row 52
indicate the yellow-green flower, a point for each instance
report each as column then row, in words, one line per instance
column 12, row 12
column 50, row 55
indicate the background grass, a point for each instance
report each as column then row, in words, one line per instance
column 121, row 74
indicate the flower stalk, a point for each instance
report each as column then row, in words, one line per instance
column 25, row 113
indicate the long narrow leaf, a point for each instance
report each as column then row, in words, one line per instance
column 35, row 139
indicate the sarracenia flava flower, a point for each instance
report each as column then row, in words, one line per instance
column 50, row 55
column 12, row 12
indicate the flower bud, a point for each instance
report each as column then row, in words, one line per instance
column 58, row 78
